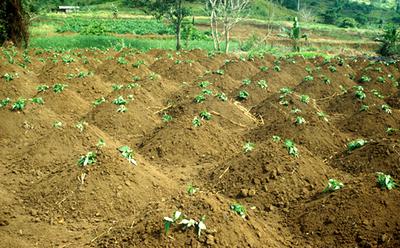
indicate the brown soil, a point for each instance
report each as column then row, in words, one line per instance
column 45, row 203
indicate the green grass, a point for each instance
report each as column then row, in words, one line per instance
column 103, row 42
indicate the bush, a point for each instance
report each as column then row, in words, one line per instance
column 347, row 22
column 389, row 41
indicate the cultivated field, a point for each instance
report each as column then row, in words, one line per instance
column 97, row 147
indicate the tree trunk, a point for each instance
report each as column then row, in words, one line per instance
column 298, row 5
column 226, row 39
column 179, row 18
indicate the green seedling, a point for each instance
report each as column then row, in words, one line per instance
column 136, row 78
column 191, row 190
column 295, row 110
column 308, row 78
column 343, row 89
column 42, row 88
column 167, row 118
column 286, row 91
column 309, row 69
column 263, row 68
column 239, row 209
column 323, row 116
column 386, row 108
column 333, row 185
column 196, row 122
column 67, row 59
column 262, row 84
column 364, row 108
column 355, row 144
column 58, row 88
column 291, row 148
column 57, row 124
column 277, row 68
column 276, row 138
column 365, row 79
column 205, row 115
column 117, row 87
column 99, row 101
column 381, row 80
column 326, row 80
column 360, row 94
column 204, row 84
column 243, row 95
column 201, row 226
column 37, row 100
column 83, row 74
column 8, row 77
column 138, row 63
column 304, row 99
column 19, row 105
column 127, row 153
column 132, row 86
column 199, row 98
column 81, row 126
column 5, row 102
column 221, row 96
column 178, row 61
column 120, row 101
column 246, row 81
column 168, row 221
column 88, row 159
column 101, row 143
column 332, row 68
column 153, row 76
column 122, row 109
column 188, row 223
column 299, row 120
column 391, row 130
column 385, row 181
column 377, row 94
column 248, row 147
column 219, row 72
column 207, row 92
column 122, row 61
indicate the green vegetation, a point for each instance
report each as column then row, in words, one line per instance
column 239, row 209
column 385, row 181
column 291, row 148
column 333, row 185
column 88, row 159
column 355, row 144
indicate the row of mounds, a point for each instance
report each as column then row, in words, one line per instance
column 115, row 204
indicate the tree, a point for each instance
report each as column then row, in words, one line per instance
column 13, row 23
column 229, row 12
column 173, row 10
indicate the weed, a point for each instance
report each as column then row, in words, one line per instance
column 291, row 148
column 88, row 159
column 58, row 88
column 343, row 89
column 262, row 84
column 201, row 226
column 153, row 76
column 136, row 78
column 386, row 108
column 239, row 209
column 122, row 61
column 248, row 147
column 385, row 181
column 19, row 105
column 167, row 118
column 120, row 101
column 355, row 144
column 333, row 185
column 127, row 153
column 391, row 130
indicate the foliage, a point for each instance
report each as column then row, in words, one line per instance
column 19, row 105
column 239, row 209
column 355, row 144
column 88, row 159
column 243, row 95
column 385, row 181
column 333, row 185
column 127, row 153
column 389, row 41
column 58, row 88
column 291, row 148
column 248, row 147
